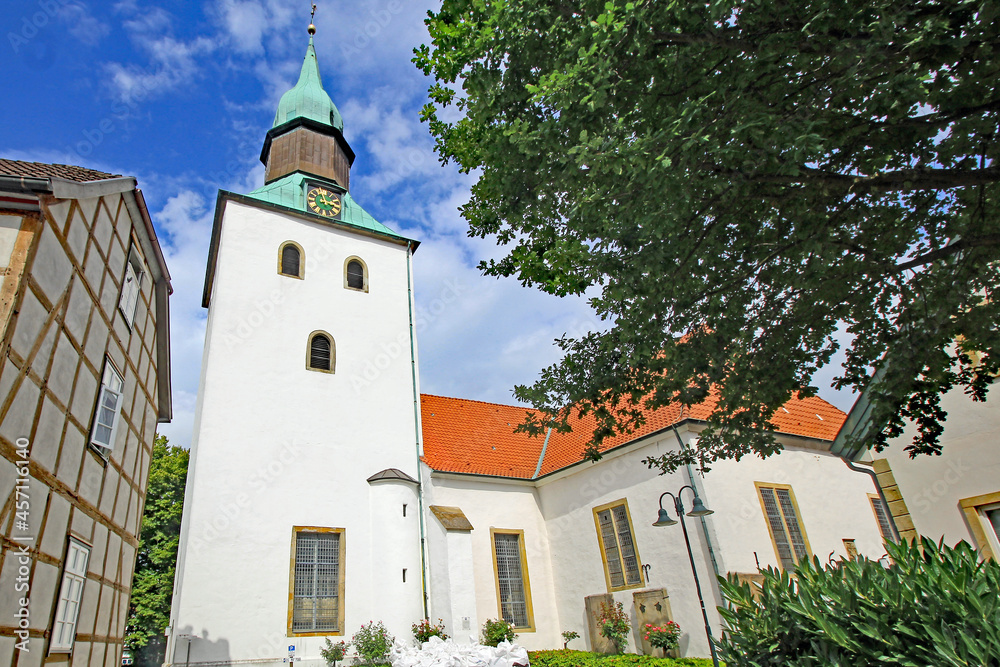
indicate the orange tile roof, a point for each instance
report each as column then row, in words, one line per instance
column 466, row 436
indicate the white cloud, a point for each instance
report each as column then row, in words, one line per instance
column 173, row 64
column 397, row 147
column 187, row 220
column 82, row 24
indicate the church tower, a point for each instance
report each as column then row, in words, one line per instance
column 302, row 516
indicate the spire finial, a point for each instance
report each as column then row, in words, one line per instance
column 312, row 18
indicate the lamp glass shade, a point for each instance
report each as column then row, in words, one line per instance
column 698, row 508
column 664, row 519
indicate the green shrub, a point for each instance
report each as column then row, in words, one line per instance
column 497, row 631
column 567, row 658
column 568, row 636
column 334, row 653
column 423, row 630
column 935, row 605
column 372, row 643
column 615, row 624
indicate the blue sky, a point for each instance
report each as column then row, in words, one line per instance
column 180, row 94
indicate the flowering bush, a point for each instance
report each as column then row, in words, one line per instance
column 333, row 653
column 569, row 636
column 423, row 630
column 663, row 636
column 614, row 624
column 497, row 631
column 373, row 643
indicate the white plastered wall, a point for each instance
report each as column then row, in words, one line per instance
column 969, row 465
column 833, row 501
column 489, row 504
column 277, row 445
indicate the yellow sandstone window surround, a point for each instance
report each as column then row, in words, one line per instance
column 622, row 567
column 290, row 260
column 983, row 516
column 782, row 514
column 510, row 569
column 316, row 581
column 321, row 354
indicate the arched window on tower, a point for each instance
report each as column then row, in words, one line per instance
column 322, row 353
column 355, row 274
column 290, row 260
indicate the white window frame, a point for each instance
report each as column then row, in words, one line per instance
column 131, row 287
column 112, row 389
column 70, row 597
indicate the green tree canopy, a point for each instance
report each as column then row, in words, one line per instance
column 730, row 181
column 156, row 559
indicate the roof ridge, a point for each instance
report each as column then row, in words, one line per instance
column 473, row 400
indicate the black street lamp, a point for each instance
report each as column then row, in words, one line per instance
column 664, row 519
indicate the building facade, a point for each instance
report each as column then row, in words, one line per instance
column 325, row 492
column 583, row 531
column 301, row 511
column 85, row 379
column 954, row 496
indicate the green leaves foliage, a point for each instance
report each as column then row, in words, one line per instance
column 568, row 658
column 153, row 580
column 730, row 181
column 373, row 642
column 496, row 631
column 935, row 605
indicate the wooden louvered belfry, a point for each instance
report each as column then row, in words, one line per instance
column 321, row 352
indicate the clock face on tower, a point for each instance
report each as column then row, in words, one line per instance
column 323, row 202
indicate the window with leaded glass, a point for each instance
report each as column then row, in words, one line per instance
column 513, row 589
column 883, row 518
column 318, row 581
column 622, row 568
column 787, row 534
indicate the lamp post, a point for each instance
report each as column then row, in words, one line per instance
column 664, row 519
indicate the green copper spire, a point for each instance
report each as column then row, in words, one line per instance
column 308, row 99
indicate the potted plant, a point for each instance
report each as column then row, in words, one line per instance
column 664, row 636
column 614, row 624
column 423, row 630
column 496, row 631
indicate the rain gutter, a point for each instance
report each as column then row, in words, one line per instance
column 704, row 523
column 541, row 457
column 416, row 427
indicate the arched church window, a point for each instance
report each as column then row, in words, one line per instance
column 290, row 260
column 322, row 353
column 356, row 274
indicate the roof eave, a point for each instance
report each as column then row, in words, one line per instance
column 226, row 196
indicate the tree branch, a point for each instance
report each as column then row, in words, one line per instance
column 948, row 250
column 903, row 179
